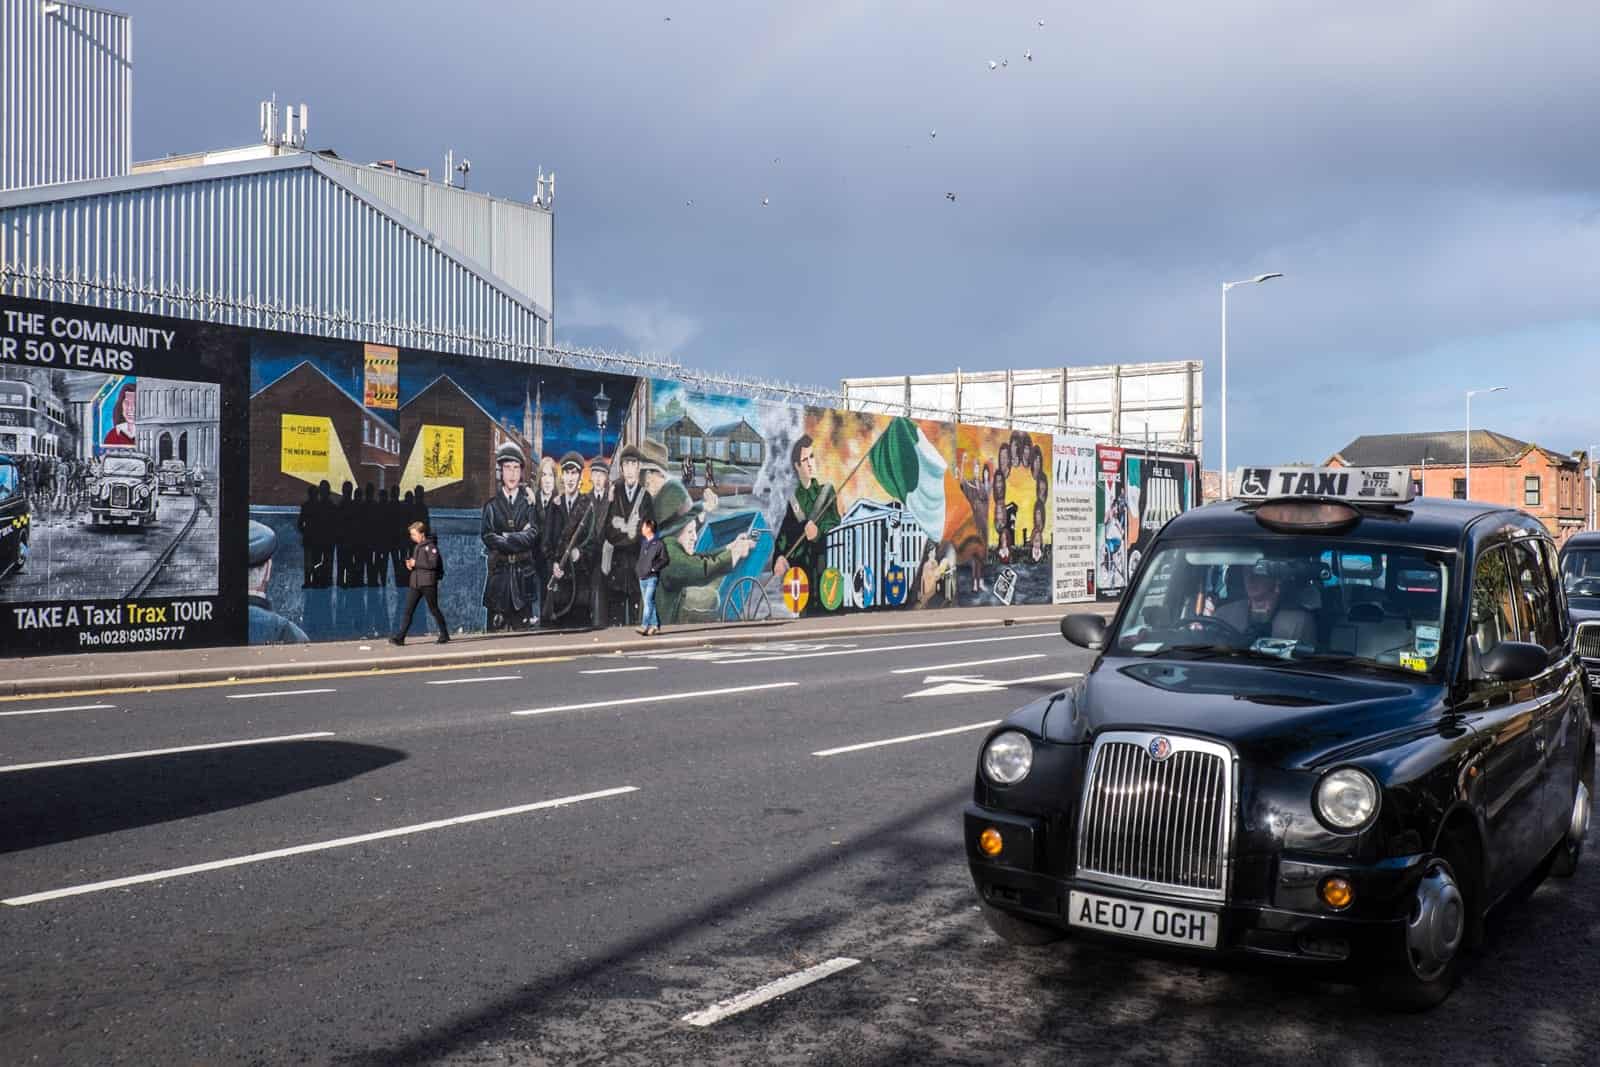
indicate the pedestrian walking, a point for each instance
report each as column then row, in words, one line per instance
column 427, row 569
column 652, row 561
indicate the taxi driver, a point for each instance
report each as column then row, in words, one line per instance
column 1261, row 611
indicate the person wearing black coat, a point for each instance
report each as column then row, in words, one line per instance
column 427, row 568
column 652, row 560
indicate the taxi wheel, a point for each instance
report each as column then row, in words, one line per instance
column 1570, row 849
column 1437, row 931
column 1017, row 931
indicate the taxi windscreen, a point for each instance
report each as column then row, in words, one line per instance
column 1580, row 572
column 126, row 466
column 1309, row 599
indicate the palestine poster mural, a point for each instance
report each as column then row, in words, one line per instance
column 117, row 485
column 1073, row 479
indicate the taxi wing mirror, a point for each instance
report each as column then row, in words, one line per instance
column 1515, row 661
column 1085, row 630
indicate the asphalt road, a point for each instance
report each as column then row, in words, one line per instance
column 372, row 924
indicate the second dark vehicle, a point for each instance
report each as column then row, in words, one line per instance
column 1329, row 725
column 15, row 518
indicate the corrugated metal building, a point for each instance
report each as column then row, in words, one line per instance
column 293, row 241
column 267, row 235
column 66, row 93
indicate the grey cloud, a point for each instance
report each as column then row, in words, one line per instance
column 1424, row 173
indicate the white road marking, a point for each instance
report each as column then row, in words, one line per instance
column 619, row 670
column 488, row 678
column 909, row 737
column 968, row 663
column 319, row 846
column 761, row 994
column 47, row 711
column 280, row 693
column 161, row 751
column 948, row 685
column 891, row 648
column 656, row 698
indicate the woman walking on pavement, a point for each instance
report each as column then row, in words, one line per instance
column 427, row 567
column 652, row 561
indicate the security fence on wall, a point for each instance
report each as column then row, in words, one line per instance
column 134, row 531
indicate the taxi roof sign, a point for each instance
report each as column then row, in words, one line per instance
column 1353, row 485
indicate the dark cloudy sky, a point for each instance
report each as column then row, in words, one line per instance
column 1427, row 174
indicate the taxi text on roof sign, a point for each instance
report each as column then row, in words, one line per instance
column 1356, row 485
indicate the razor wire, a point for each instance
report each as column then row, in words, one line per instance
column 118, row 293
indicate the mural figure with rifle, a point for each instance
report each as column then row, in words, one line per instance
column 571, row 535
column 630, row 505
column 509, row 529
column 811, row 511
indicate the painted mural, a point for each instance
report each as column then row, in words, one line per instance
column 340, row 466
column 115, row 483
column 167, row 483
column 1136, row 493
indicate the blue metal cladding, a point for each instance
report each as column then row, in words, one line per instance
column 66, row 92
column 282, row 243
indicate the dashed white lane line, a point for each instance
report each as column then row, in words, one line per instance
column 318, row 846
column 47, row 711
column 887, row 648
column 619, row 670
column 467, row 681
column 279, row 693
column 657, row 698
column 908, row 738
column 163, row 751
column 968, row 663
column 761, row 994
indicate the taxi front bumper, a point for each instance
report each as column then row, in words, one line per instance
column 1287, row 922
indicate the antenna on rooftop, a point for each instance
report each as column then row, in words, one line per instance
column 450, row 166
column 465, row 168
column 269, row 120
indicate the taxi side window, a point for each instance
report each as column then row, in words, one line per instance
column 1540, row 624
column 1494, row 607
column 1552, row 568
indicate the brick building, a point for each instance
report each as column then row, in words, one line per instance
column 1551, row 486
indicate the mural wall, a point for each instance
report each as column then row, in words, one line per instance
column 170, row 483
column 116, row 486
column 1136, row 493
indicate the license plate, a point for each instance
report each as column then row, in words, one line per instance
column 1153, row 922
column 1594, row 679
column 121, row 513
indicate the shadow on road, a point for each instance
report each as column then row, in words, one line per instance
column 54, row 804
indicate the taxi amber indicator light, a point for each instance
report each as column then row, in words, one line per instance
column 1336, row 892
column 1306, row 515
column 990, row 843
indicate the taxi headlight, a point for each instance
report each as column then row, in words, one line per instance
column 1007, row 758
column 1347, row 798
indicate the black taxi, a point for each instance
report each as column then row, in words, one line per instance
column 1329, row 724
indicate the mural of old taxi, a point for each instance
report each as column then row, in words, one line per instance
column 1330, row 724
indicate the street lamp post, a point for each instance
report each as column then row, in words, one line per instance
column 1470, row 394
column 1257, row 280
column 1423, row 480
column 602, row 407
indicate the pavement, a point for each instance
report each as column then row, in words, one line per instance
column 623, row 858
column 88, row 672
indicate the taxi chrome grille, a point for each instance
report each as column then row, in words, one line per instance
column 1161, row 824
column 1589, row 640
column 119, row 496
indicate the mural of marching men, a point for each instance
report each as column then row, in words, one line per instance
column 628, row 506
column 509, row 529
column 570, row 548
column 811, row 511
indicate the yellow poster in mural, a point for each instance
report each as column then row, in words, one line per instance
column 441, row 452
column 382, row 377
column 307, row 444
